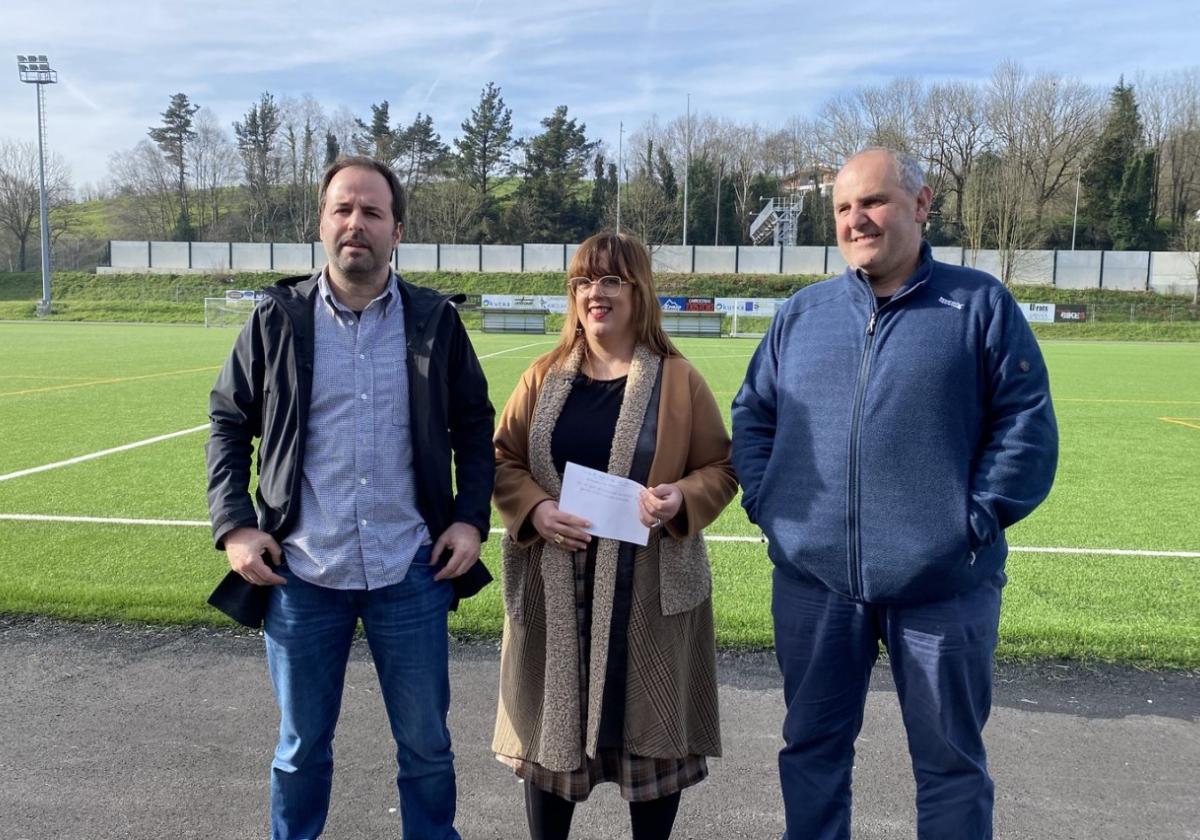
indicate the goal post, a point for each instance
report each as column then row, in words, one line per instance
column 227, row 312
column 749, row 318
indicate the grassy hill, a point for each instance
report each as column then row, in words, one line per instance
column 179, row 298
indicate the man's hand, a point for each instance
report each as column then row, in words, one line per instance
column 245, row 546
column 463, row 541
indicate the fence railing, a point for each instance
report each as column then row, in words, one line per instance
column 1167, row 272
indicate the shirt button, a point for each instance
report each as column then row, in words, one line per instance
column 364, row 522
column 362, row 481
column 364, row 396
column 362, row 355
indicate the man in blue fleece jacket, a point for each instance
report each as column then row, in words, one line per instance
column 893, row 422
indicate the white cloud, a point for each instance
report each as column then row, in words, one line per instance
column 608, row 60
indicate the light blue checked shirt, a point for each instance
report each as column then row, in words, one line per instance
column 358, row 525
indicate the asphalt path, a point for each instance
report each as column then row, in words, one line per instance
column 112, row 731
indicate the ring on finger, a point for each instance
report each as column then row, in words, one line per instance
column 558, row 539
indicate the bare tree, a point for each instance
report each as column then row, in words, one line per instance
column 647, row 203
column 144, row 182
column 448, row 211
column 842, row 130
column 1047, row 124
column 743, row 148
column 20, row 206
column 995, row 212
column 708, row 139
column 213, row 163
column 646, row 212
column 1170, row 109
column 341, row 126
column 953, row 131
column 893, row 113
column 302, row 131
column 1188, row 241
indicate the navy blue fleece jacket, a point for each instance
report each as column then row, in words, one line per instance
column 884, row 449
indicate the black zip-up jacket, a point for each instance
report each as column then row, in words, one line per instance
column 265, row 389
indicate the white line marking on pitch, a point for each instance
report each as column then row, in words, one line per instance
column 1119, row 552
column 514, row 349
column 197, row 523
column 92, row 455
column 101, row 520
column 159, row 438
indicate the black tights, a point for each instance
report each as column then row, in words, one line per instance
column 550, row 815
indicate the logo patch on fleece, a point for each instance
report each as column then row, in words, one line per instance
column 949, row 302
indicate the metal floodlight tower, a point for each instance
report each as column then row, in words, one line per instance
column 35, row 70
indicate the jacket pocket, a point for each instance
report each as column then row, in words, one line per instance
column 685, row 576
column 982, row 526
column 514, row 575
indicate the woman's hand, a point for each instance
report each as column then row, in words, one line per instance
column 660, row 504
column 562, row 529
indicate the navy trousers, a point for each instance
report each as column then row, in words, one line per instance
column 941, row 658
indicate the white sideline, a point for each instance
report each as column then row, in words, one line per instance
column 101, row 520
column 90, row 456
column 514, row 349
column 197, row 523
column 159, row 438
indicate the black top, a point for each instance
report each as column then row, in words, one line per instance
column 584, row 432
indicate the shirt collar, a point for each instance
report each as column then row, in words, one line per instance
column 391, row 292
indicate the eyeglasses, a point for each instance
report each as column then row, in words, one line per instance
column 609, row 285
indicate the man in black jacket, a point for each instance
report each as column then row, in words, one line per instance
column 361, row 388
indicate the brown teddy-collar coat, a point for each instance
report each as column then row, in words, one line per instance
column 671, row 688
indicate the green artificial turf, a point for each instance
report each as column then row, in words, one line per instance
column 1129, row 416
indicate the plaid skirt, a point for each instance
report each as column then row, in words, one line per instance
column 640, row 778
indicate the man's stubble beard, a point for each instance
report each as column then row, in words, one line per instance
column 357, row 272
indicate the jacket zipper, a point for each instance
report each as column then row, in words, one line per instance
column 852, row 500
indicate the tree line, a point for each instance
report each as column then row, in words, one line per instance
column 1020, row 160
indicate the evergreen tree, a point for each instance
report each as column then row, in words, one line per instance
column 555, row 163
column 666, row 175
column 377, row 140
column 420, row 153
column 1132, row 221
column 703, row 187
column 604, row 190
column 331, row 148
column 257, row 136
column 173, row 137
column 1116, row 150
column 485, row 148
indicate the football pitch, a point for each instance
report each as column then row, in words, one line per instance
column 103, row 514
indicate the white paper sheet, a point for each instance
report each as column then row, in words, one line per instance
column 609, row 502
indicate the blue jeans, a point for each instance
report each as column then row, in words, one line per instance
column 309, row 630
column 941, row 658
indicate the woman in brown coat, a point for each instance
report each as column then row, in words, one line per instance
column 608, row 667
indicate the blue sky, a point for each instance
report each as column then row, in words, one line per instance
column 609, row 60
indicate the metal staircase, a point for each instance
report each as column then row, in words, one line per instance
column 777, row 221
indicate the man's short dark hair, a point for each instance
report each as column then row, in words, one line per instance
column 399, row 200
